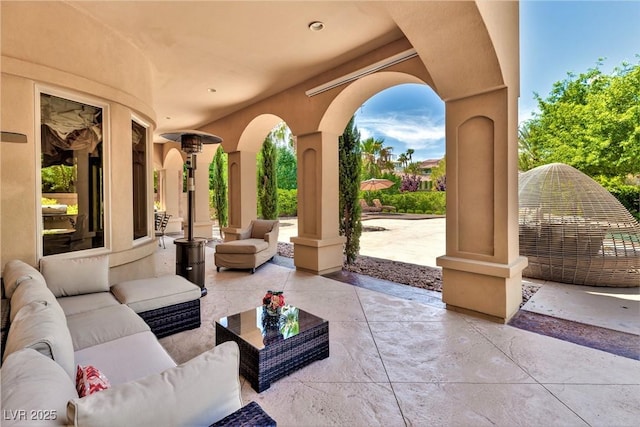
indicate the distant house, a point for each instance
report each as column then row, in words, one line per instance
column 426, row 167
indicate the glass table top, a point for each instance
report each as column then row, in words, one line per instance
column 259, row 329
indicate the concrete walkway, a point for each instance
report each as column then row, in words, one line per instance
column 416, row 241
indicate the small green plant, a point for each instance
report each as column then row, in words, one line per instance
column 72, row 209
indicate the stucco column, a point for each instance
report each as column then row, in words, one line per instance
column 243, row 193
column 203, row 225
column 482, row 269
column 172, row 193
column 318, row 248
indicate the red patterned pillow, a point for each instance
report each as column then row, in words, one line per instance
column 90, row 380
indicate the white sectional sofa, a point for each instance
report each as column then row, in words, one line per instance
column 66, row 315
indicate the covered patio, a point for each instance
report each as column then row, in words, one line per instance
column 397, row 362
column 235, row 69
column 222, row 68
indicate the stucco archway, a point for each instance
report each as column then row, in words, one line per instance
column 170, row 188
column 242, row 169
column 343, row 106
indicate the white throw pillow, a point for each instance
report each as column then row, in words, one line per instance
column 76, row 276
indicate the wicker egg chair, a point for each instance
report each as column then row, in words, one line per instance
column 574, row 231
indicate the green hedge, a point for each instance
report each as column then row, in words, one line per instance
column 288, row 202
column 425, row 202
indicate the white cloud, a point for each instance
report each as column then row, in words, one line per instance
column 413, row 131
column 364, row 133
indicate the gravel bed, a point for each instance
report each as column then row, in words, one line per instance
column 418, row 276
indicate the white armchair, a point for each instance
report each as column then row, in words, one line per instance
column 256, row 244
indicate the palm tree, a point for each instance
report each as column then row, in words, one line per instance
column 410, row 152
column 370, row 149
column 384, row 161
column 403, row 160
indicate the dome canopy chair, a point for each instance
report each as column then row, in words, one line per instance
column 574, row 231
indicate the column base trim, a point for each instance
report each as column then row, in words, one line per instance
column 318, row 256
column 482, row 267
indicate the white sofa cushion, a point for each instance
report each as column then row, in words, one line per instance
column 144, row 356
column 30, row 290
column 196, row 393
column 157, row 292
column 42, row 326
column 16, row 271
column 104, row 324
column 75, row 276
column 87, row 302
column 37, row 385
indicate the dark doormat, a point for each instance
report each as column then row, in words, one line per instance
column 620, row 343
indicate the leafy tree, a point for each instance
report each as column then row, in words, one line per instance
column 286, row 168
column 590, row 121
column 439, row 175
column 267, row 180
column 218, row 184
column 410, row 179
column 281, row 136
column 58, row 179
column 350, row 163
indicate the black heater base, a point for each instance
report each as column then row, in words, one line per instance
column 190, row 261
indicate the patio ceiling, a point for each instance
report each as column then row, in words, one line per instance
column 246, row 51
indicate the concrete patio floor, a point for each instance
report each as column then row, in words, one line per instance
column 397, row 362
column 617, row 309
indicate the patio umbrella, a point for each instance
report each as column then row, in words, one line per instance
column 375, row 184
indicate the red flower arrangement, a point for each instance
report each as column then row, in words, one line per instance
column 273, row 301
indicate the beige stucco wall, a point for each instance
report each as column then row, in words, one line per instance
column 52, row 47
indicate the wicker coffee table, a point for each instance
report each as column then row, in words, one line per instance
column 266, row 355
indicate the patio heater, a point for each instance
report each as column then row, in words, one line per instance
column 190, row 258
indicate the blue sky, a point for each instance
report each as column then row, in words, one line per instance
column 556, row 37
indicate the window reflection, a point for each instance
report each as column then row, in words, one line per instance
column 72, row 175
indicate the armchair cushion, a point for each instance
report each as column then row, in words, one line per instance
column 246, row 246
column 260, row 227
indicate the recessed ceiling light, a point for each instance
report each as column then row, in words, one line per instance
column 316, row 26
column 212, row 90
